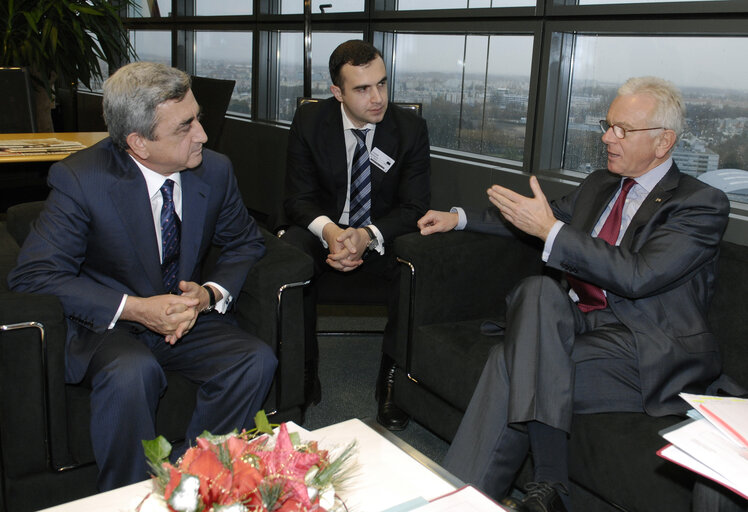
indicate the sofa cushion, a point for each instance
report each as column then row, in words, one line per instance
column 615, row 455
column 449, row 358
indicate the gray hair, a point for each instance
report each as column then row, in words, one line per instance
column 132, row 94
column 670, row 110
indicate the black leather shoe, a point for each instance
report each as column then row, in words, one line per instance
column 539, row 497
column 389, row 415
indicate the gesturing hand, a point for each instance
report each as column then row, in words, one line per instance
column 533, row 215
column 437, row 222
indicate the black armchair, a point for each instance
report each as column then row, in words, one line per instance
column 451, row 283
column 45, row 448
column 457, row 280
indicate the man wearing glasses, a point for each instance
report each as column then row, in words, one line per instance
column 638, row 243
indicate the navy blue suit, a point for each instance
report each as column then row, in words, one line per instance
column 94, row 242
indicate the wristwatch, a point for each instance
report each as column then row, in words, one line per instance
column 373, row 240
column 211, row 300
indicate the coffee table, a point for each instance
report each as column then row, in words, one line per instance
column 389, row 472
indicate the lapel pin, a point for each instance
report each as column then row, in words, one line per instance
column 658, row 200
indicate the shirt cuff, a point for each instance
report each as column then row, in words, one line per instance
column 380, row 239
column 222, row 305
column 548, row 247
column 317, row 226
column 461, row 217
column 119, row 312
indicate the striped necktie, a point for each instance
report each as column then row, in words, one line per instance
column 360, row 209
column 591, row 297
column 170, row 235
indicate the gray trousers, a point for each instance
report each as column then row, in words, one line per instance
column 554, row 361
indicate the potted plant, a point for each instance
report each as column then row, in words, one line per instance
column 61, row 41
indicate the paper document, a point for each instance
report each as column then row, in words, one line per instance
column 704, row 442
column 675, row 454
column 728, row 414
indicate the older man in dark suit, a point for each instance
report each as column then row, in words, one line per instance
column 357, row 176
column 639, row 243
column 122, row 241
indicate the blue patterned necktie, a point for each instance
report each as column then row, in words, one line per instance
column 170, row 234
column 360, row 209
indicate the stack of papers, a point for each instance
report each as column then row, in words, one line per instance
column 714, row 442
column 38, row 146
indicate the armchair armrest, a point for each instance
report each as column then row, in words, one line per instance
column 32, row 394
column 270, row 305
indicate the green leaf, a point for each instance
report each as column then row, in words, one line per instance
column 262, row 423
column 157, row 450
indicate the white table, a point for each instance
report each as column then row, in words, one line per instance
column 388, row 472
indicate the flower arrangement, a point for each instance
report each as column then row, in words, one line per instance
column 251, row 471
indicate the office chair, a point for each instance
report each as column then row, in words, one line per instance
column 213, row 95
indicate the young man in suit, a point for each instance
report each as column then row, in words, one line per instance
column 357, row 176
column 632, row 332
column 121, row 242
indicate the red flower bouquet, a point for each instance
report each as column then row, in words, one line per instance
column 246, row 473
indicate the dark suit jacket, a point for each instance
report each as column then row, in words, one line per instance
column 95, row 240
column 317, row 176
column 660, row 279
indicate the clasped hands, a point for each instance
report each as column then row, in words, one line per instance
column 533, row 215
column 347, row 246
column 170, row 315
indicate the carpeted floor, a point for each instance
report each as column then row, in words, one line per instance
column 348, row 372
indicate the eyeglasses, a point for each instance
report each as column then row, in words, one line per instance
column 620, row 131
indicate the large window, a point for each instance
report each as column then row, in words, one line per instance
column 149, row 8
column 290, row 77
column 152, row 45
column 322, row 6
column 222, row 8
column 474, row 89
column 227, row 55
column 504, row 84
column 407, row 5
column 715, row 92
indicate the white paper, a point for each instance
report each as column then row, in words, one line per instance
column 704, row 442
column 729, row 414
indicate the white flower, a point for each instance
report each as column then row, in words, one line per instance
column 153, row 503
column 184, row 498
column 327, row 498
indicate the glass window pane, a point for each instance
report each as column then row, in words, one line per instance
column 328, row 6
column 413, row 5
column 612, row 2
column 714, row 89
column 323, row 44
column 474, row 89
column 149, row 9
column 291, row 67
column 213, row 8
column 290, row 73
column 152, row 45
column 227, row 55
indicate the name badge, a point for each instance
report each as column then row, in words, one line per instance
column 380, row 159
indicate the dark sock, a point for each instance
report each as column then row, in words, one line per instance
column 550, row 457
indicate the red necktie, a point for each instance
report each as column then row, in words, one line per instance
column 590, row 296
